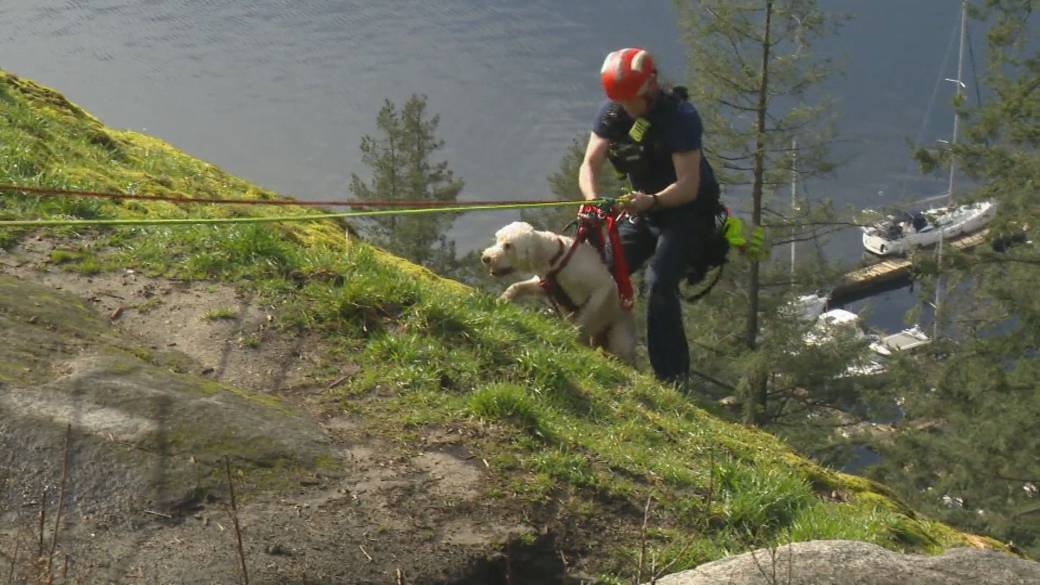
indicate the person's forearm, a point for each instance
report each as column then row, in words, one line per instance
column 679, row 193
column 587, row 182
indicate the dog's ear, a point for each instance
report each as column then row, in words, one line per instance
column 525, row 241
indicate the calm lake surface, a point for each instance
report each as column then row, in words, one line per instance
column 281, row 91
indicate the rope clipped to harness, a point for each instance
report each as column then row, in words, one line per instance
column 591, row 218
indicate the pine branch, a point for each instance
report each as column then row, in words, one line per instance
column 725, row 80
column 1017, row 479
column 735, row 106
column 814, row 224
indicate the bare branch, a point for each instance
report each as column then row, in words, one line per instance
column 805, row 239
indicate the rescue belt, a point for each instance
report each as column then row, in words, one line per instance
column 730, row 232
column 591, row 219
column 714, row 254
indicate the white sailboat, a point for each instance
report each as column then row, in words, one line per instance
column 903, row 233
column 899, row 235
column 806, row 307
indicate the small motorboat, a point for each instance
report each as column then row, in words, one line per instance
column 836, row 323
column 898, row 234
column 905, row 340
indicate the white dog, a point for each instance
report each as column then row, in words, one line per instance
column 583, row 279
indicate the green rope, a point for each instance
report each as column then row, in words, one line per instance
column 279, row 218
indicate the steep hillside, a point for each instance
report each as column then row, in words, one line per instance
column 380, row 422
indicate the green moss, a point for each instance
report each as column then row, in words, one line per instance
column 211, row 387
column 10, row 371
column 254, row 470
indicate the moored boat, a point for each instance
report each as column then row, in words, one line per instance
column 899, row 234
column 836, row 323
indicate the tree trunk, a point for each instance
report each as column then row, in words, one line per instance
column 755, row 402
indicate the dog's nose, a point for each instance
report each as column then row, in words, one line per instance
column 485, row 259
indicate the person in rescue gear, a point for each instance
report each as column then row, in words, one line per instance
column 652, row 135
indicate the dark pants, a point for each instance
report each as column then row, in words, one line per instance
column 674, row 238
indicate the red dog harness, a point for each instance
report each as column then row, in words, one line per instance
column 590, row 222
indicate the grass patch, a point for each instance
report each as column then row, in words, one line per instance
column 759, row 501
column 834, row 521
column 221, row 313
column 511, row 404
column 81, row 261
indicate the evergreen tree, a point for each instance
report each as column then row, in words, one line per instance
column 400, row 158
column 967, row 447
column 752, row 73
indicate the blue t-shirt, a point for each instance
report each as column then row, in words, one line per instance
column 674, row 128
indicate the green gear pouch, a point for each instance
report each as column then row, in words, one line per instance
column 756, row 248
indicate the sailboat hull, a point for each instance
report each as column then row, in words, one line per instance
column 891, row 237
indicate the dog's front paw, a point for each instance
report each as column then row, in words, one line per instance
column 509, row 294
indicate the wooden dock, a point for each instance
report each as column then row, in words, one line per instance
column 890, row 272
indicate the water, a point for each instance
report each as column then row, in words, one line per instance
column 281, row 91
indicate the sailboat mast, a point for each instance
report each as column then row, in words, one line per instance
column 960, row 93
column 953, row 162
column 794, row 195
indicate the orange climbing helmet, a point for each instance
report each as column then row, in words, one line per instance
column 626, row 73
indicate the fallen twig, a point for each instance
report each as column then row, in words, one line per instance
column 14, row 560
column 642, row 540
column 338, row 381
column 160, row 514
column 43, row 516
column 234, row 518
column 365, row 552
column 61, row 503
column 711, row 490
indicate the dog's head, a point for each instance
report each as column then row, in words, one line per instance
column 515, row 245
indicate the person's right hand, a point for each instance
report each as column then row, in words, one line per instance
column 637, row 202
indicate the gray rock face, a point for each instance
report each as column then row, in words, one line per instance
column 140, row 435
column 841, row 562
